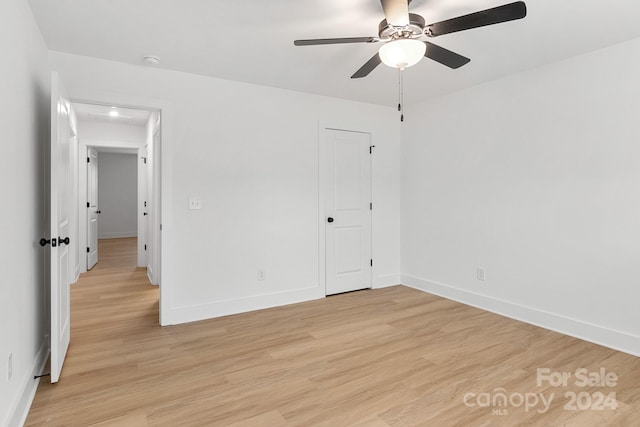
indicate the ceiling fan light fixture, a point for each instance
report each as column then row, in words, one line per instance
column 402, row 53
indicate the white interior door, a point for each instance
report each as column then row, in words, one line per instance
column 347, row 211
column 92, row 208
column 143, row 226
column 60, row 214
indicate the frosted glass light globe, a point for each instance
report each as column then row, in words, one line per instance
column 402, row 53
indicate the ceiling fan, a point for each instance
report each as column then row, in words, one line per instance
column 401, row 32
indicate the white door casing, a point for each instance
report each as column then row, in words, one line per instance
column 153, row 197
column 347, row 196
column 148, row 208
column 92, row 208
column 60, row 224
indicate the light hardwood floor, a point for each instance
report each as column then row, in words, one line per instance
column 388, row 357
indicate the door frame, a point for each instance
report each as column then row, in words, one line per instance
column 151, row 192
column 322, row 243
column 162, row 175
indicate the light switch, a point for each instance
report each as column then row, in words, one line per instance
column 194, row 203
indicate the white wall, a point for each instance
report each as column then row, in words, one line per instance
column 117, row 195
column 535, row 177
column 251, row 154
column 105, row 131
column 24, row 126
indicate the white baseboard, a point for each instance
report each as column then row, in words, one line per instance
column 386, row 280
column 596, row 334
column 117, row 234
column 194, row 313
column 150, row 275
column 20, row 410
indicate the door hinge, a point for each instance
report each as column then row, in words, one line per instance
column 371, row 147
column 371, row 263
column 88, row 250
column 145, row 247
column 88, row 159
column 88, row 205
column 144, row 159
column 370, row 206
column 145, row 203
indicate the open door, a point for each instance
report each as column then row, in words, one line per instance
column 60, row 210
column 92, row 208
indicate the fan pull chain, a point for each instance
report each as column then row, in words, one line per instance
column 399, row 90
column 401, row 94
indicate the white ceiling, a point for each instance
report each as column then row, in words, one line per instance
column 252, row 40
column 100, row 113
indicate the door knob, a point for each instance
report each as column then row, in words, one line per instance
column 44, row 242
column 329, row 219
column 65, row 240
column 98, row 212
column 145, row 214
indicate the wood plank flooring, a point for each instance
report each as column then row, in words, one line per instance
column 387, row 357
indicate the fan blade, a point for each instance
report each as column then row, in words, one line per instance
column 312, row 42
column 496, row 15
column 367, row 67
column 396, row 12
column 445, row 56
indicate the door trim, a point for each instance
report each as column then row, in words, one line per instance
column 322, row 244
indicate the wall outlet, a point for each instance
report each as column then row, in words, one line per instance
column 195, row 203
column 10, row 367
column 481, row 274
column 261, row 275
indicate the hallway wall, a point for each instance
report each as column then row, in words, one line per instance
column 117, row 195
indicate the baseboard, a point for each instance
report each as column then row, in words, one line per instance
column 194, row 313
column 386, row 280
column 18, row 415
column 118, row 235
column 596, row 334
column 150, row 275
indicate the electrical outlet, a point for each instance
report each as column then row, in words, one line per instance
column 261, row 275
column 481, row 273
column 195, row 203
column 10, row 367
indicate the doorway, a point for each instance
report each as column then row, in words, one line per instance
column 68, row 198
column 118, row 144
column 92, row 208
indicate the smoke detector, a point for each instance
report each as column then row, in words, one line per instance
column 151, row 59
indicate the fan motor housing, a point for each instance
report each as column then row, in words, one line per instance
column 413, row 30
